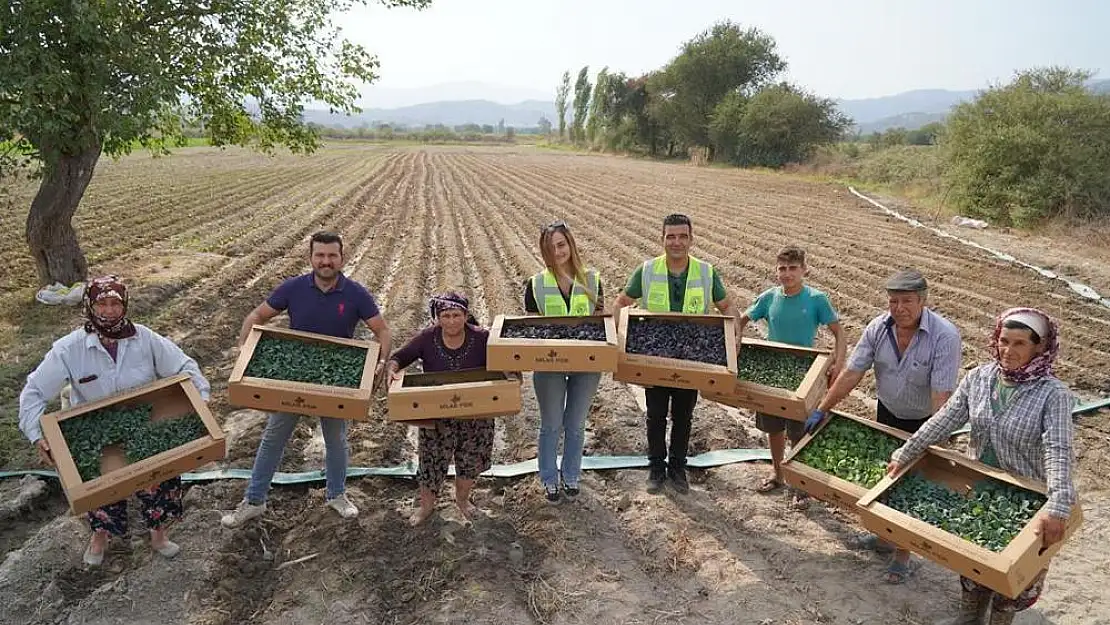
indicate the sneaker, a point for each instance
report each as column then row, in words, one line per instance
column 678, row 479
column 343, row 506
column 243, row 513
column 571, row 491
column 655, row 480
column 552, row 494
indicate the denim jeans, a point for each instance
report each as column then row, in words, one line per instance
column 279, row 428
column 564, row 400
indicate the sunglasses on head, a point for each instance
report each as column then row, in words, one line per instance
column 556, row 225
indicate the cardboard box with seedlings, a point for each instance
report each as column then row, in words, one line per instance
column 676, row 350
column 535, row 343
column 777, row 379
column 465, row 394
column 842, row 459
column 284, row 370
column 976, row 520
column 107, row 449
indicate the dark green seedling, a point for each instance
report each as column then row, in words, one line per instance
column 683, row 340
column 314, row 363
column 850, row 450
column 129, row 427
column 772, row 367
column 991, row 515
column 585, row 331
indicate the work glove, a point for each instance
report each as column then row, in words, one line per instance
column 814, row 420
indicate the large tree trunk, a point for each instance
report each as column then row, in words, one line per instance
column 50, row 235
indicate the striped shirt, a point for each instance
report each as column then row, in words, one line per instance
column 905, row 382
column 1031, row 436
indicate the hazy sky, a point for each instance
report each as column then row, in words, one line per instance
column 845, row 48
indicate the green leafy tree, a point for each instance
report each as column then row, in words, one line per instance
column 1036, row 148
column 718, row 61
column 561, row 95
column 929, row 134
column 582, row 89
column 80, row 78
column 778, row 125
column 544, row 126
column 599, row 107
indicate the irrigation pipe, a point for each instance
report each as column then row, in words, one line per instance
column 1079, row 288
column 408, row 470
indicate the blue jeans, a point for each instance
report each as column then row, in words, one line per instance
column 564, row 400
column 279, row 428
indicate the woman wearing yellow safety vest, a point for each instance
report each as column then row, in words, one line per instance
column 674, row 282
column 564, row 288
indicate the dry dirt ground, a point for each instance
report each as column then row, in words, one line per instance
column 204, row 235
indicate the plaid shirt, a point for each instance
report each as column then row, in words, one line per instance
column 1032, row 437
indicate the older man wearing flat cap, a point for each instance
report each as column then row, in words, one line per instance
column 916, row 356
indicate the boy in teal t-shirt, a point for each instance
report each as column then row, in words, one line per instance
column 794, row 312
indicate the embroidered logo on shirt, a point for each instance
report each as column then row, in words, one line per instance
column 87, row 379
column 340, row 309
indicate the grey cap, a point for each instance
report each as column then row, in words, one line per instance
column 907, row 280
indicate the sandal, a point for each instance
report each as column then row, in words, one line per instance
column 769, row 485
column 898, row 573
column 869, row 542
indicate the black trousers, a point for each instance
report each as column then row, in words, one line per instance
column 679, row 403
column 886, row 417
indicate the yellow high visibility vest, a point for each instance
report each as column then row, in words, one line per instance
column 657, row 288
column 549, row 298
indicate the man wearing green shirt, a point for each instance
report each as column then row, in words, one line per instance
column 674, row 282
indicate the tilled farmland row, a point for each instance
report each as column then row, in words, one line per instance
column 417, row 222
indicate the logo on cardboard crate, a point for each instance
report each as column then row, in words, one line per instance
column 455, row 403
column 677, row 377
column 552, row 357
column 298, row 402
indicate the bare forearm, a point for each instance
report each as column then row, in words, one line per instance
column 385, row 339
column 252, row 319
column 845, row 382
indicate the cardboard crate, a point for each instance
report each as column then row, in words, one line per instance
column 504, row 354
column 1008, row 572
column 671, row 372
column 824, row 486
column 465, row 394
column 171, row 398
column 792, row 404
column 301, row 397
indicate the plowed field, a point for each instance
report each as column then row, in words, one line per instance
column 204, row 235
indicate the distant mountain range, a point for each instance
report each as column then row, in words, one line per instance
column 910, row 110
column 450, row 113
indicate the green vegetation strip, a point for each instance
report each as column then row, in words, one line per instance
column 990, row 516
column 851, row 451
column 313, row 363
column 771, row 367
column 131, row 428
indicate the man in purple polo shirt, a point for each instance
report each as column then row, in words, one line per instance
column 916, row 356
column 324, row 302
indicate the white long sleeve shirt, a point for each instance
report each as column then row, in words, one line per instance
column 83, row 361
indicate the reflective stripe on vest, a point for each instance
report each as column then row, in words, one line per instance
column 657, row 288
column 549, row 298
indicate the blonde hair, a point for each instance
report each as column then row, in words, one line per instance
column 577, row 267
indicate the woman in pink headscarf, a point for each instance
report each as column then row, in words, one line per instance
column 1021, row 422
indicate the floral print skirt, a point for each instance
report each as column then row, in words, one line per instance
column 999, row 603
column 158, row 505
column 468, row 442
